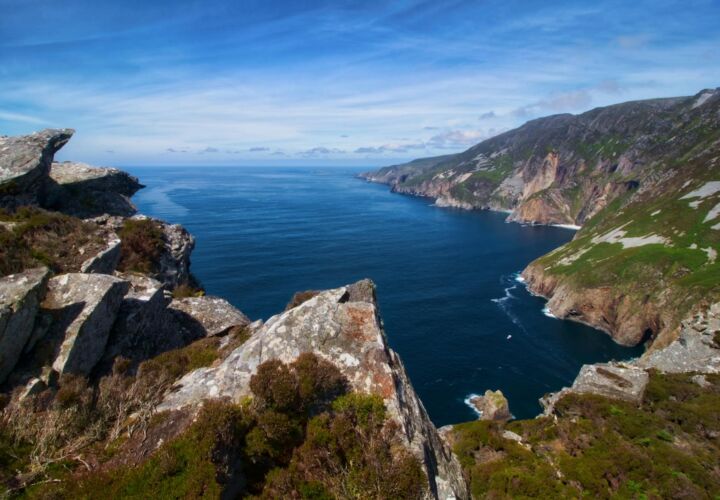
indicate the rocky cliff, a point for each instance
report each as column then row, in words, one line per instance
column 107, row 341
column 640, row 177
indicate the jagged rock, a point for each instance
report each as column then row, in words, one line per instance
column 143, row 327
column 695, row 350
column 84, row 191
column 20, row 296
column 105, row 261
column 493, row 405
column 610, row 380
column 348, row 333
column 83, row 308
column 174, row 263
column 25, row 163
column 215, row 316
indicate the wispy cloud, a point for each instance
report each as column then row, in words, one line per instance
column 247, row 81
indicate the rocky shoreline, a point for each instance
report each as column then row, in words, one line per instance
column 131, row 297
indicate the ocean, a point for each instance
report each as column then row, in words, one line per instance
column 447, row 280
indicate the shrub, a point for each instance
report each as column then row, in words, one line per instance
column 351, row 452
column 36, row 237
column 300, row 297
column 197, row 464
column 142, row 245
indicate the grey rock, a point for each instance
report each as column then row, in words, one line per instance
column 25, row 163
column 611, row 380
column 143, row 327
column 85, row 191
column 511, row 436
column 20, row 296
column 35, row 386
column 175, row 260
column 174, row 263
column 83, row 307
column 105, row 261
column 349, row 334
column 693, row 351
column 493, row 405
column 215, row 316
column 701, row 380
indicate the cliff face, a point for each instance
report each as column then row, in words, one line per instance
column 564, row 169
column 90, row 334
column 641, row 178
column 342, row 326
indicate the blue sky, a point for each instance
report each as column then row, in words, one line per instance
column 339, row 82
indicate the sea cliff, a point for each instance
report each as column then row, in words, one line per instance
column 639, row 179
column 108, row 342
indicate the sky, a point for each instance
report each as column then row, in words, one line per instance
column 296, row 82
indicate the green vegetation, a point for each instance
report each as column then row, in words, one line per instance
column 32, row 237
column 601, row 448
column 301, row 435
column 610, row 148
column 300, row 297
column 142, row 245
column 673, row 275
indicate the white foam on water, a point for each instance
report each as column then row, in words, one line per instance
column 567, row 226
column 472, row 406
column 546, row 312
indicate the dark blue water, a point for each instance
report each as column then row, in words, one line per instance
column 445, row 278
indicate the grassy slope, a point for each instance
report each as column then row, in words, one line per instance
column 600, row 448
column 676, row 275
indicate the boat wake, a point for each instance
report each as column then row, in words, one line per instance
column 512, row 282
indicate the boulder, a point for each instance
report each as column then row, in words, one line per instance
column 83, row 308
column 342, row 326
column 20, row 296
column 25, row 163
column 493, row 405
column 85, row 191
column 611, row 380
column 143, row 327
column 213, row 315
column 106, row 260
column 695, row 349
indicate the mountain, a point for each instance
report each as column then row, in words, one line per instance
column 642, row 179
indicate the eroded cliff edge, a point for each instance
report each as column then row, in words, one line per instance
column 641, row 178
column 107, row 342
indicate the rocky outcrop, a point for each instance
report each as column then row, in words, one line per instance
column 25, row 164
column 174, row 263
column 609, row 380
column 106, row 260
column 143, row 327
column 83, row 308
column 697, row 348
column 84, row 191
column 342, row 326
column 212, row 315
column 492, row 406
column 20, row 296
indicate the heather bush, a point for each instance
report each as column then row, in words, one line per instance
column 141, row 245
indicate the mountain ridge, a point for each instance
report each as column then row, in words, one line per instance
column 600, row 170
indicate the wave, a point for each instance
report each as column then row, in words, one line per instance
column 503, row 303
column 546, row 312
column 472, row 406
